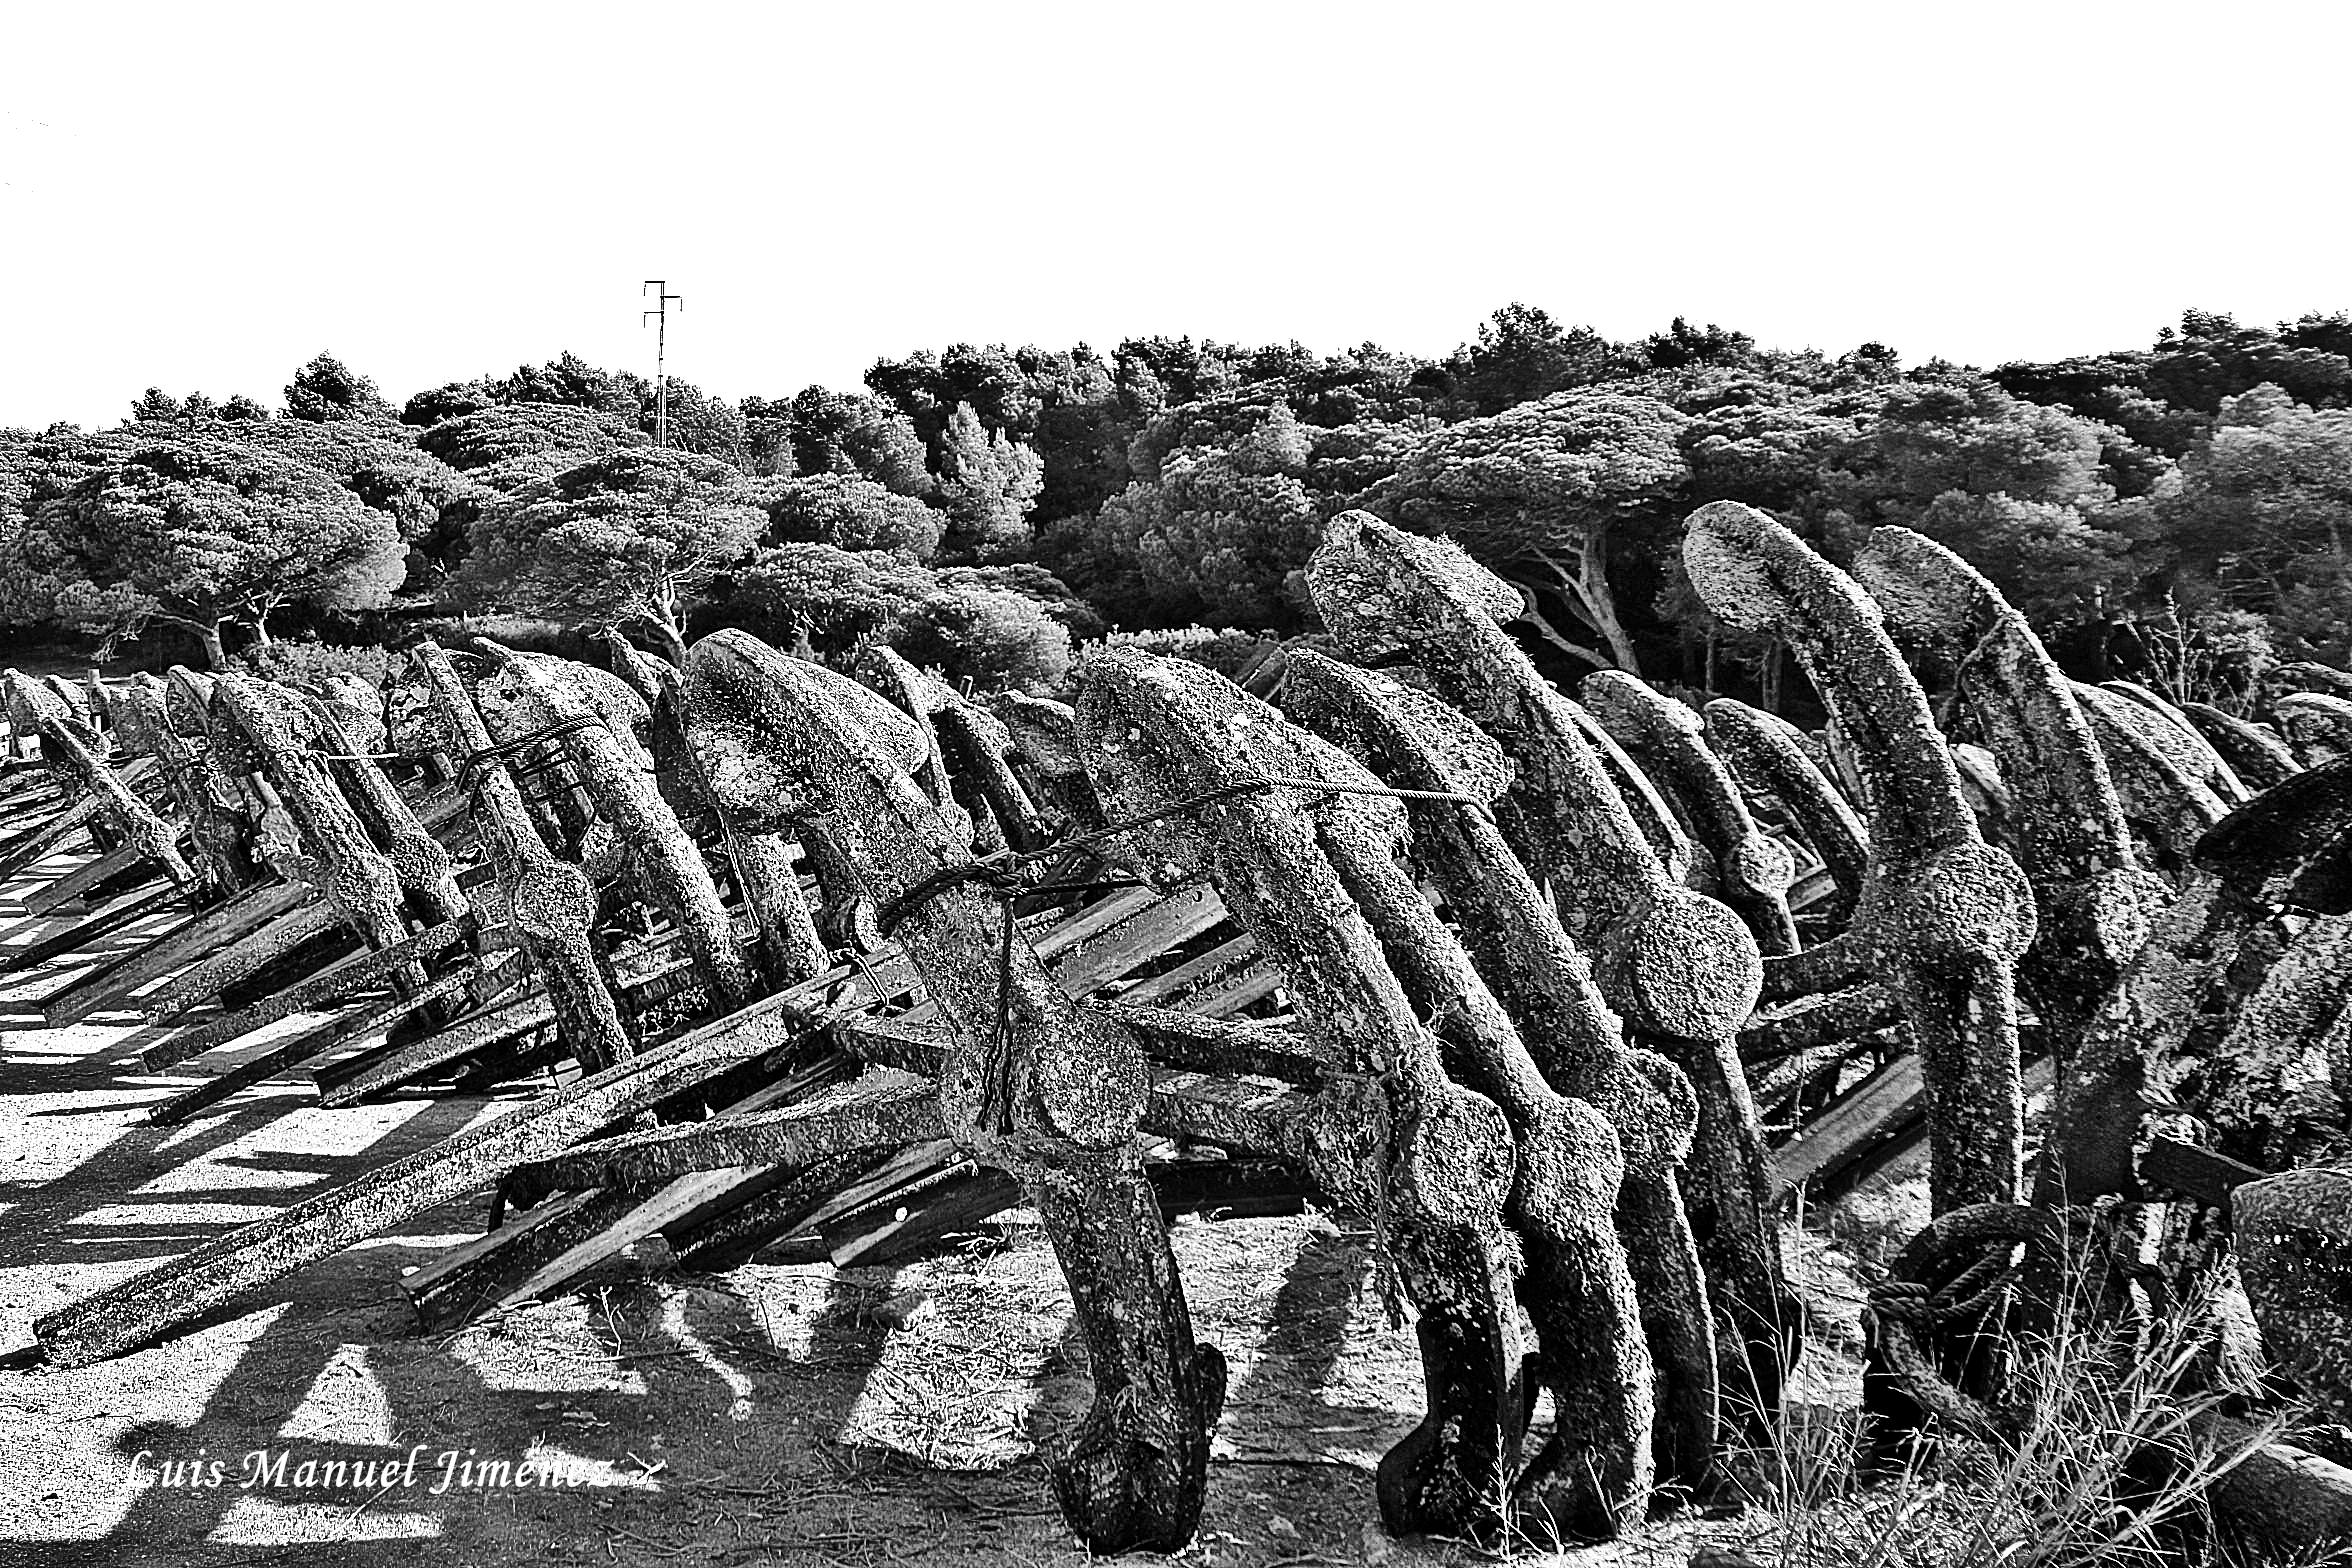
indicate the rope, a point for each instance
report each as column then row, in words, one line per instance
column 1000, row 871
column 1000, row 876
column 1968, row 1297
column 474, row 769
column 1975, row 1289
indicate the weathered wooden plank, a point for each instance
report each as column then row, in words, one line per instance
column 845, row 1225
column 332, row 983
column 135, row 1311
column 43, row 840
column 876, row 1110
column 1212, row 966
column 678, row 1204
column 525, row 1259
column 28, row 795
column 321, row 1039
column 347, row 1083
column 1087, row 964
column 773, row 1201
column 1238, row 993
column 81, row 879
column 2203, row 1174
column 217, row 948
column 1873, row 1123
column 465, row 1280
column 81, row 932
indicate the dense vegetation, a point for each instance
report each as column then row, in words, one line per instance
column 2181, row 513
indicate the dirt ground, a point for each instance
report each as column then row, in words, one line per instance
column 772, row 1414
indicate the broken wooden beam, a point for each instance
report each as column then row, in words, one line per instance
column 44, row 840
column 319, row 1040
column 1873, row 1123
column 693, row 1213
column 83, row 879
column 885, row 1108
column 136, row 1311
column 218, row 948
column 2203, row 1174
column 330, row 984
column 103, row 921
column 767, row 1204
column 465, row 1280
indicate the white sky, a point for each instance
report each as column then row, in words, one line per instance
column 203, row 196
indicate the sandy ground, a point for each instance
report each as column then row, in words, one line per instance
column 785, row 1414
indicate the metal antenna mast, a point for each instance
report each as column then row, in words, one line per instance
column 663, row 300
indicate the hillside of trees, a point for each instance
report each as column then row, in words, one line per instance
column 2179, row 513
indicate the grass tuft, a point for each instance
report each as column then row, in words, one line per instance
column 2107, row 1462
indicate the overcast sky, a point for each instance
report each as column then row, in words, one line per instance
column 202, row 197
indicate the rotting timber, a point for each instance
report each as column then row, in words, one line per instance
column 1559, row 995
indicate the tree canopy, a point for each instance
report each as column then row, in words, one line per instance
column 1537, row 490
column 199, row 533
column 852, row 514
column 829, row 602
column 510, row 445
column 326, row 388
column 987, row 483
column 629, row 537
column 1218, row 537
column 2261, row 519
column 817, row 431
column 2186, row 492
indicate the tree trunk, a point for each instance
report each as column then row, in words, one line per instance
column 673, row 642
column 1534, row 617
column 1620, row 645
column 1587, row 584
column 1592, row 578
column 2110, row 618
column 215, row 657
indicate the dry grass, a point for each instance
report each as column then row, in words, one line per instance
column 2102, row 1465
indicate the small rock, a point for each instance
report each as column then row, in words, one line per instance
column 907, row 1307
column 1722, row 1557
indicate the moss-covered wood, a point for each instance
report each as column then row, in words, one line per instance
column 72, row 745
column 1680, row 968
column 1316, row 881
column 551, row 905
column 1036, row 1084
column 1569, row 1034
column 1946, row 915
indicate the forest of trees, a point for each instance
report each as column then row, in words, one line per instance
column 2180, row 513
